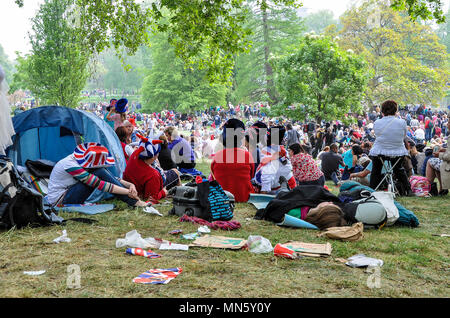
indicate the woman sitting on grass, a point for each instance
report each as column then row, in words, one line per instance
column 152, row 182
column 233, row 167
column 304, row 167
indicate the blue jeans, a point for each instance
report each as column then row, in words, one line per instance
column 80, row 192
column 428, row 134
column 333, row 177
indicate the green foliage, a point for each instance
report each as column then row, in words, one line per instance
column 56, row 69
column 21, row 78
column 6, row 64
column 423, row 9
column 108, row 72
column 275, row 27
column 320, row 80
column 169, row 85
column 407, row 61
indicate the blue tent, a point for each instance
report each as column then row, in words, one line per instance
column 53, row 132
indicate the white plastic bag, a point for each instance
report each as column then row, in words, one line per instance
column 258, row 244
column 151, row 210
column 62, row 238
column 387, row 200
column 362, row 260
column 134, row 239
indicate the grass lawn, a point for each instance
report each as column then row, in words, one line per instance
column 416, row 263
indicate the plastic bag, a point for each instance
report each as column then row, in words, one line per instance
column 62, row 238
column 258, row 244
column 362, row 260
column 134, row 239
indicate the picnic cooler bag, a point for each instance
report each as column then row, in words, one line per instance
column 186, row 200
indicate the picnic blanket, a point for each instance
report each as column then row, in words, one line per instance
column 89, row 208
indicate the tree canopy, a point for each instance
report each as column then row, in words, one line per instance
column 407, row 61
column 56, row 68
column 206, row 33
column 320, row 80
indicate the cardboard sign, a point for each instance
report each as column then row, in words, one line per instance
column 309, row 249
column 220, row 242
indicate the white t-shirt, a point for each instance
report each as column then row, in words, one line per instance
column 419, row 134
column 60, row 179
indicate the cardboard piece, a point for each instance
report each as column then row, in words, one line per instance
column 220, row 242
column 309, row 249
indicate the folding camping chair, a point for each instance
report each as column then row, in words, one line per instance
column 389, row 174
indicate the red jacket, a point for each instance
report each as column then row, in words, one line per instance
column 232, row 175
column 147, row 180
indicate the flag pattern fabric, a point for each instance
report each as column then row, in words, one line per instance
column 158, row 276
column 93, row 155
column 141, row 252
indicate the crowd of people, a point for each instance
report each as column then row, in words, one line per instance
column 251, row 152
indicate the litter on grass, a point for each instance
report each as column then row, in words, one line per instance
column 258, row 244
column 141, row 252
column 362, row 260
column 62, row 238
column 151, row 210
column 34, row 273
column 134, row 239
column 309, row 249
column 158, row 276
column 220, row 242
column 173, row 246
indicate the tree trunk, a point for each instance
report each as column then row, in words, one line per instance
column 267, row 67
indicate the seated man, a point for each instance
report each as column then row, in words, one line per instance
column 152, row 183
column 74, row 178
column 330, row 164
column 274, row 164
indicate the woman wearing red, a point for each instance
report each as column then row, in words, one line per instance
column 150, row 180
column 233, row 167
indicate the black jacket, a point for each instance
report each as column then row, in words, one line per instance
column 165, row 158
column 304, row 195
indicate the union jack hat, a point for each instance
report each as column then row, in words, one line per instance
column 148, row 148
column 93, row 155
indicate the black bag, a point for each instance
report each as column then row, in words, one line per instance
column 40, row 168
column 20, row 204
column 192, row 200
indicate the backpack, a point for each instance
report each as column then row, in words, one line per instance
column 420, row 186
column 20, row 204
column 213, row 200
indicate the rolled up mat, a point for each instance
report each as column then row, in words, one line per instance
column 296, row 222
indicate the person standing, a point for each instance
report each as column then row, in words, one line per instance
column 389, row 146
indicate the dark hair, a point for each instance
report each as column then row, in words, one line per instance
column 357, row 150
column 296, row 148
column 122, row 133
column 389, row 108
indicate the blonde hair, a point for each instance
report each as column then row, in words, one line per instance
column 172, row 132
